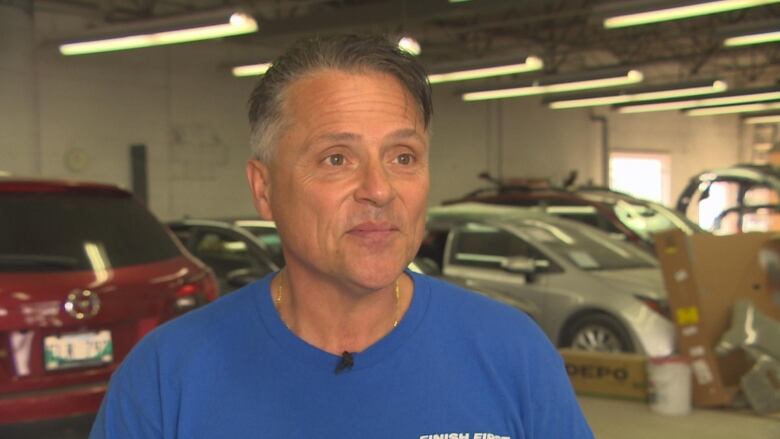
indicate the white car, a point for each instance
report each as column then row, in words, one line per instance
column 592, row 292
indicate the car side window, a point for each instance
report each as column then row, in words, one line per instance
column 710, row 200
column 489, row 247
column 225, row 253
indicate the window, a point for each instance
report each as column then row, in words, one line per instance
column 641, row 174
column 225, row 253
column 481, row 246
column 68, row 232
column 709, row 202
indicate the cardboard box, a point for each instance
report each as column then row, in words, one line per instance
column 704, row 274
column 614, row 375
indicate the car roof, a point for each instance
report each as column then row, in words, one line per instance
column 254, row 223
column 194, row 222
column 39, row 185
column 466, row 212
column 742, row 171
column 201, row 222
column 515, row 192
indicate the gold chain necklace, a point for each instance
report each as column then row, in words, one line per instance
column 279, row 290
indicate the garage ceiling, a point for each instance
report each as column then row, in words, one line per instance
column 567, row 34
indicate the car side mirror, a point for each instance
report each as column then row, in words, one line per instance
column 242, row 276
column 519, row 264
column 617, row 236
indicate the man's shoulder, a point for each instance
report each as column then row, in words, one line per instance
column 473, row 316
column 477, row 326
column 457, row 300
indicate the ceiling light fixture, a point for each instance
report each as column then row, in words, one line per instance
column 552, row 85
column 530, row 64
column 767, row 118
column 251, row 69
column 695, row 9
column 162, row 32
column 733, row 109
column 736, row 97
column 409, row 45
column 646, row 94
column 757, row 37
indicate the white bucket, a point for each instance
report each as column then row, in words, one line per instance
column 670, row 385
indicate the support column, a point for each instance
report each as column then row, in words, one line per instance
column 19, row 141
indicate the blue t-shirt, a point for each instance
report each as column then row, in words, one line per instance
column 458, row 365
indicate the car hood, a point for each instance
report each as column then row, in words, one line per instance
column 647, row 282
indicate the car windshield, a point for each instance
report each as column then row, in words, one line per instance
column 67, row 232
column 650, row 218
column 586, row 248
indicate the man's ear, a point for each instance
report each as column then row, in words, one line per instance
column 259, row 177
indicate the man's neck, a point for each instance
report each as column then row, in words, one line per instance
column 336, row 318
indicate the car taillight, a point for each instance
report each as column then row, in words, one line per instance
column 197, row 292
column 187, row 290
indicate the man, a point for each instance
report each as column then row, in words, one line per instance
column 344, row 343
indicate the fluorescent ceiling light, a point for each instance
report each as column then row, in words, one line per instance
column 639, row 96
column 409, row 45
column 531, row 64
column 682, row 12
column 630, row 77
column 732, row 109
column 740, row 98
column 251, row 69
column 769, row 118
column 755, row 38
column 236, row 23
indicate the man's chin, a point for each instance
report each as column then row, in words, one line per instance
column 376, row 277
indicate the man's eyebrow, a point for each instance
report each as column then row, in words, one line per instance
column 343, row 137
column 404, row 133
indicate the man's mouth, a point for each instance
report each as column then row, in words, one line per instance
column 373, row 230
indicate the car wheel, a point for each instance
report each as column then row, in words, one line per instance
column 598, row 332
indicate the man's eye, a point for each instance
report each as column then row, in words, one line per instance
column 405, row 159
column 335, row 160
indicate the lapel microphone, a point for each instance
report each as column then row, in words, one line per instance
column 346, row 362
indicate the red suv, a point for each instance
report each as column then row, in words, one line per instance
column 85, row 272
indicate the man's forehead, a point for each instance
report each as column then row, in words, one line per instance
column 322, row 93
column 348, row 137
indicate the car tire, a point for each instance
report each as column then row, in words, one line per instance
column 597, row 332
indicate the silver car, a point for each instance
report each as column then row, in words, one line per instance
column 592, row 292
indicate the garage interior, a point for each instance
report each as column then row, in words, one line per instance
column 169, row 123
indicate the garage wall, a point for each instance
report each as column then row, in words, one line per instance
column 188, row 113
column 18, row 113
column 523, row 138
column 84, row 113
column 76, row 117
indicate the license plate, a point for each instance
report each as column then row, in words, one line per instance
column 77, row 350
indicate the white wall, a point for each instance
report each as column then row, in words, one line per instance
column 184, row 105
column 18, row 113
column 536, row 142
column 179, row 101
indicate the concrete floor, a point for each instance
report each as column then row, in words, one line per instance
column 615, row 419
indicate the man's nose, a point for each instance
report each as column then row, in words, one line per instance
column 376, row 186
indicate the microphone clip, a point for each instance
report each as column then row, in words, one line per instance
column 346, row 362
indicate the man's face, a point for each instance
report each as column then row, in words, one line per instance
column 348, row 185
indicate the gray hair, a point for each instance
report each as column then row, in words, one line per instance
column 352, row 53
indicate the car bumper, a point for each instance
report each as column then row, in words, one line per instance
column 51, row 404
